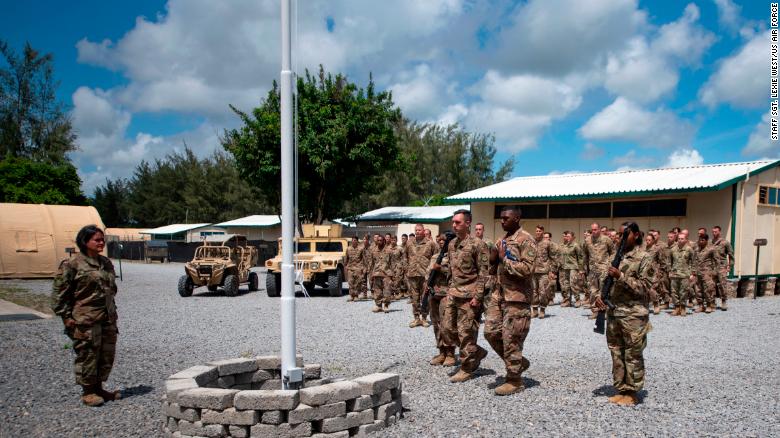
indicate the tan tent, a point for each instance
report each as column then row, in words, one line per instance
column 34, row 237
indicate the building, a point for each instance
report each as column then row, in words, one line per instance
column 742, row 198
column 182, row 232
column 256, row 227
column 401, row 220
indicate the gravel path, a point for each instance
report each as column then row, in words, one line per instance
column 707, row 375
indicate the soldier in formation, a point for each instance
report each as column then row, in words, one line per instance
column 380, row 268
column 571, row 267
column 544, row 273
column 356, row 265
column 438, row 304
column 706, row 270
column 725, row 264
column 418, row 256
column 681, row 273
column 597, row 250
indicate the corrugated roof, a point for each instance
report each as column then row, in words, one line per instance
column 411, row 214
column 631, row 182
column 173, row 229
column 257, row 220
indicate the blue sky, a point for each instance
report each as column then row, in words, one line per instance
column 564, row 85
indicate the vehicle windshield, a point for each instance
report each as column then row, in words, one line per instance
column 212, row 252
column 330, row 246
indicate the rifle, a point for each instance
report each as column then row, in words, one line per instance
column 607, row 286
column 425, row 299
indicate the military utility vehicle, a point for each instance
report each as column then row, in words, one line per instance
column 225, row 263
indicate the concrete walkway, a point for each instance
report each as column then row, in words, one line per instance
column 13, row 312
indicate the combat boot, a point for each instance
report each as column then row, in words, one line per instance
column 616, row 398
column 351, row 298
column 565, row 303
column 698, row 309
column 449, row 360
column 629, row 399
column 511, row 386
column 387, row 308
column 656, row 309
column 578, row 304
column 541, row 313
column 683, row 311
column 89, row 396
column 376, row 309
column 438, row 359
column 533, row 312
column 109, row 395
column 723, row 305
column 415, row 322
column 709, row 309
column 424, row 322
column 461, row 376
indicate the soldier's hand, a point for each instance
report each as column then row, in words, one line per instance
column 501, row 248
column 474, row 302
column 614, row 272
column 69, row 323
column 436, row 267
column 599, row 303
column 551, row 275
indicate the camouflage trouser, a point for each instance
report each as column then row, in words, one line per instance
column 694, row 292
column 364, row 283
column 460, row 320
column 404, row 286
column 542, row 287
column 95, row 347
column 722, row 284
column 438, row 305
column 679, row 291
column 595, row 280
column 354, row 278
column 570, row 290
column 416, row 285
column 706, row 281
column 506, row 327
column 380, row 289
column 581, row 288
column 660, row 289
column 626, row 339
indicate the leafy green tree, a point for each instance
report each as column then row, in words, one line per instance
column 346, row 141
column 111, row 201
column 23, row 180
column 33, row 124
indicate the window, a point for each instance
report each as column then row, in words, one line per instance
column 572, row 211
column 329, row 247
column 26, row 242
column 304, row 247
column 660, row 207
column 531, row 211
column 769, row 195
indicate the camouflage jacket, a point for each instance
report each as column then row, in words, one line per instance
column 396, row 261
column 418, row 256
column 725, row 253
column 682, row 262
column 630, row 293
column 706, row 260
column 469, row 264
column 570, row 256
column 515, row 277
column 546, row 257
column 84, row 290
column 597, row 253
column 442, row 279
column 381, row 262
column 356, row 258
column 657, row 261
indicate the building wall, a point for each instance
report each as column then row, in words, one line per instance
column 755, row 222
column 257, row 233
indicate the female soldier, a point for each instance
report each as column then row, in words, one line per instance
column 83, row 295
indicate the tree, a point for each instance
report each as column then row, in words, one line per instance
column 345, row 143
column 111, row 201
column 33, row 124
column 29, row 182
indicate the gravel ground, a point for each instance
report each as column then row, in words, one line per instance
column 706, row 375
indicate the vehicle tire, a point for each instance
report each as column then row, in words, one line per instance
column 253, row 281
column 273, row 284
column 213, row 287
column 335, row 278
column 185, row 286
column 231, row 285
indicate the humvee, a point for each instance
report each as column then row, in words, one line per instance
column 226, row 263
column 320, row 259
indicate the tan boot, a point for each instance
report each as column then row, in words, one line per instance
column 616, row 398
column 511, row 386
column 387, row 308
column 109, row 395
column 683, row 311
column 449, row 360
column 461, row 376
column 723, row 305
column 533, row 312
column 415, row 322
column 629, row 399
column 565, row 304
column 698, row 309
column 89, row 396
column 438, row 359
column 351, row 298
column 376, row 309
column 541, row 313
column 656, row 309
column 524, row 364
column 578, row 304
column 709, row 309
column 424, row 322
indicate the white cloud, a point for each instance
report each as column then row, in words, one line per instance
column 742, row 79
column 631, row 161
column 728, row 14
column 453, row 114
column 684, row 40
column 759, row 143
column 624, row 120
column 421, row 94
column 684, row 158
column 591, row 152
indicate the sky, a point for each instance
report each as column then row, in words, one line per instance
column 563, row 85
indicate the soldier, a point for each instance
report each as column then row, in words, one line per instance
column 725, row 264
column 681, row 273
column 479, row 232
column 544, row 273
column 355, row 264
column 665, row 284
column 707, row 262
column 404, row 280
column 694, row 294
column 628, row 323
column 438, row 304
column 366, row 266
column 571, row 267
column 469, row 264
column 657, row 267
column 396, row 265
column 508, row 316
column 418, row 257
column 381, row 275
column 597, row 251
column 83, row 296
column 554, row 268
column 428, row 234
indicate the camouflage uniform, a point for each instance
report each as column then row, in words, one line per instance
column 438, row 303
column 570, row 261
column 381, row 275
column 355, row 269
column 679, row 274
column 403, row 277
column 469, row 264
column 726, row 260
column 418, row 256
column 546, row 262
column 396, row 269
column 657, row 269
column 508, row 316
column 662, row 286
column 707, row 262
column 84, row 291
column 629, row 323
column 597, row 252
